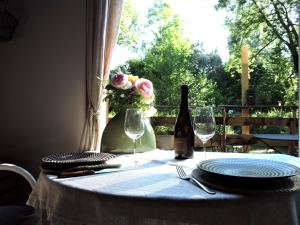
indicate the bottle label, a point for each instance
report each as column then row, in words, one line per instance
column 180, row 145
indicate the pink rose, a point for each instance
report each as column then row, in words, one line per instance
column 120, row 80
column 144, row 87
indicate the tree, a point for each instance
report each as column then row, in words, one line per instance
column 211, row 66
column 270, row 29
column 273, row 82
column 167, row 61
column 130, row 28
column 263, row 25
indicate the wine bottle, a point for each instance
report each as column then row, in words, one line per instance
column 184, row 134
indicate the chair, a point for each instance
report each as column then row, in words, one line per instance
column 15, row 185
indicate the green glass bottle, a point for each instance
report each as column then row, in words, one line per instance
column 184, row 133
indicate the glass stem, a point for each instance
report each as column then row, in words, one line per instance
column 134, row 151
column 204, row 149
column 134, row 146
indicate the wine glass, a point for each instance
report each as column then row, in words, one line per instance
column 134, row 125
column 204, row 125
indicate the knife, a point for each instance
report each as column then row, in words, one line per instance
column 67, row 174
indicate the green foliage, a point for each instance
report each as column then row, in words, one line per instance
column 284, row 113
column 163, row 130
column 120, row 99
column 273, row 83
column 129, row 26
column 263, row 25
column 270, row 29
column 229, row 87
column 169, row 58
column 167, row 61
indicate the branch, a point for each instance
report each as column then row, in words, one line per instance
column 290, row 23
column 259, row 51
column 280, row 18
column 291, row 44
column 268, row 22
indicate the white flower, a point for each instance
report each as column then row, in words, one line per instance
column 122, row 96
column 127, row 85
column 150, row 112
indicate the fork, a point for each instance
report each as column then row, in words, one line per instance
column 184, row 176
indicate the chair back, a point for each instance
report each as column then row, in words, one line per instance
column 16, row 184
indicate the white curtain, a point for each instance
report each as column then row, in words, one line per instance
column 103, row 19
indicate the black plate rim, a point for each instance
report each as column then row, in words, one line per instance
column 297, row 169
column 95, row 157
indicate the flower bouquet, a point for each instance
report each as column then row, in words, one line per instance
column 130, row 91
column 125, row 91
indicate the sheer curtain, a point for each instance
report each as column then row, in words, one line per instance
column 103, row 18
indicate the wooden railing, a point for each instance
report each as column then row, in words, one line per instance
column 232, row 121
column 226, row 119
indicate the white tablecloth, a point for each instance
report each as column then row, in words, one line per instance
column 152, row 194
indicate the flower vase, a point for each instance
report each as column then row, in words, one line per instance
column 115, row 140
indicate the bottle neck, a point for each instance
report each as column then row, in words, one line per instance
column 184, row 100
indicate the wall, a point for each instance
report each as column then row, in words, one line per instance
column 42, row 81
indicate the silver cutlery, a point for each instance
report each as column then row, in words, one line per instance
column 184, row 176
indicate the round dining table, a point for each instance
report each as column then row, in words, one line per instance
column 151, row 193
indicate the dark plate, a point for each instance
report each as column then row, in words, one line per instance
column 248, row 186
column 248, row 168
column 77, row 158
